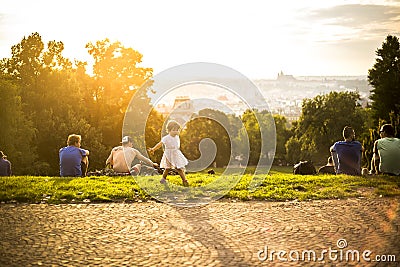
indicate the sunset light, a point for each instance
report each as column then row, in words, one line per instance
column 199, row 133
column 258, row 38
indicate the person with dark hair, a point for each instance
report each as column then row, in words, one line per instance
column 347, row 154
column 329, row 168
column 387, row 151
column 5, row 165
column 172, row 157
column 73, row 159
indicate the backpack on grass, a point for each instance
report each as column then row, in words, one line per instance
column 304, row 168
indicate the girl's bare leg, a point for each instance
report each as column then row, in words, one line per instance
column 164, row 176
column 183, row 177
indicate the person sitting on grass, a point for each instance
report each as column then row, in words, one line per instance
column 329, row 168
column 347, row 154
column 122, row 157
column 386, row 151
column 5, row 165
column 73, row 159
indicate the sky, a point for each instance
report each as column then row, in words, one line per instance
column 257, row 38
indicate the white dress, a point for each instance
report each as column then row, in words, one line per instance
column 172, row 157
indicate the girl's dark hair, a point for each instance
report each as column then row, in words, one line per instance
column 173, row 125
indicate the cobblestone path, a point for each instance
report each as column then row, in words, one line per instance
column 218, row 234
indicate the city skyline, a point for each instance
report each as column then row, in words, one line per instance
column 284, row 95
column 258, row 39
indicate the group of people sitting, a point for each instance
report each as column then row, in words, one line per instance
column 345, row 159
column 346, row 155
column 74, row 160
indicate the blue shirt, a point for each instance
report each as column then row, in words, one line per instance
column 70, row 161
column 348, row 157
column 5, row 167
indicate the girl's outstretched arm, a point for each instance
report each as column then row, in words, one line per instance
column 157, row 146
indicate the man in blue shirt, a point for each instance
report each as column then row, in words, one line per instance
column 5, row 165
column 73, row 159
column 347, row 154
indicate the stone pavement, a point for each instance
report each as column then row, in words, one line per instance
column 222, row 233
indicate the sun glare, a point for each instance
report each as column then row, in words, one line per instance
column 258, row 38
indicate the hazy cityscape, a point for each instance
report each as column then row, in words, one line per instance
column 283, row 95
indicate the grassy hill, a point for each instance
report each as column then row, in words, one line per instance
column 277, row 185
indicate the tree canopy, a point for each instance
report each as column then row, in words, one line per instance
column 321, row 123
column 384, row 77
column 45, row 97
column 48, row 97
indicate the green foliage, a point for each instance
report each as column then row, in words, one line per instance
column 261, row 133
column 16, row 131
column 293, row 148
column 117, row 78
column 321, row 124
column 283, row 134
column 385, row 79
column 211, row 124
column 47, row 97
column 153, row 134
column 252, row 131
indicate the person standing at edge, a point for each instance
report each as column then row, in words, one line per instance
column 73, row 159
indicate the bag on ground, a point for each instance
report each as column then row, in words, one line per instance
column 304, row 168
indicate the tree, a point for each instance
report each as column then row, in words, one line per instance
column 252, row 130
column 154, row 127
column 293, row 150
column 260, row 130
column 385, row 80
column 16, row 129
column 117, row 78
column 282, row 136
column 322, row 121
column 51, row 100
column 45, row 97
column 211, row 124
column 25, row 66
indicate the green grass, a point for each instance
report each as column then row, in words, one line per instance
column 277, row 185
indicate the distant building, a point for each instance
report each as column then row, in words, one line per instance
column 285, row 78
column 163, row 109
column 182, row 109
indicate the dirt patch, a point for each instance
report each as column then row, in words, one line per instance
column 366, row 191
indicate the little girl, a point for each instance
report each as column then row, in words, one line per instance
column 172, row 157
